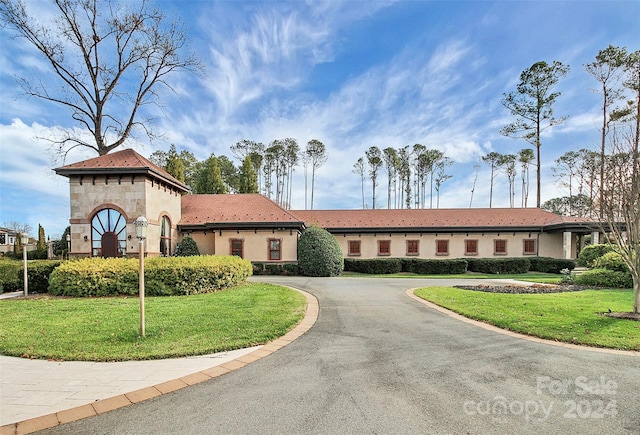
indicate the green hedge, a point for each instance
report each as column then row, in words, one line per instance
column 374, row 266
column 423, row 266
column 163, row 276
column 550, row 265
column 12, row 275
column 604, row 278
column 499, row 265
column 287, row 269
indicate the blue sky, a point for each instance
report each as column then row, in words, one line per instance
column 352, row 74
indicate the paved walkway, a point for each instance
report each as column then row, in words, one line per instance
column 34, row 388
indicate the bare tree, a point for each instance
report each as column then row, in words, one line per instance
column 255, row 151
column 291, row 159
column 440, row 175
column 317, row 155
column 532, row 105
column 276, row 157
column 436, row 160
column 525, row 157
column 493, row 160
column 607, row 70
column 404, row 172
column 390, row 157
column 620, row 201
column 507, row 163
column 359, row 168
column 420, row 173
column 476, row 170
column 374, row 159
column 566, row 171
column 109, row 62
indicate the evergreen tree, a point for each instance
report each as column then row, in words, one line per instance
column 174, row 165
column 532, row 105
column 210, row 177
column 248, row 177
column 42, row 243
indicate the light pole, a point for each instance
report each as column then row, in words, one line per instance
column 68, row 246
column 141, row 234
column 25, row 241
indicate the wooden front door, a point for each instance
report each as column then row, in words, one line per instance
column 109, row 244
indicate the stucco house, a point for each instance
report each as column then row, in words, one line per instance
column 7, row 239
column 109, row 192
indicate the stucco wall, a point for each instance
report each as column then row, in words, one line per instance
column 160, row 201
column 255, row 243
column 131, row 196
column 549, row 245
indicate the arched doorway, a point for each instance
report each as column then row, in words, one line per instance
column 108, row 234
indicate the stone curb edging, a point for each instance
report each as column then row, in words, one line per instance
column 492, row 328
column 112, row 403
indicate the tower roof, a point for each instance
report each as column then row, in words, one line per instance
column 125, row 162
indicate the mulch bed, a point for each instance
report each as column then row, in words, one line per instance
column 520, row 289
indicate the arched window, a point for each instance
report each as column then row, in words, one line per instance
column 165, row 236
column 108, row 234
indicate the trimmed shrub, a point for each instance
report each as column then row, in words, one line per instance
column 39, row 272
column 605, row 278
column 319, row 253
column 10, row 276
column 163, row 276
column 611, row 261
column 374, row 266
column 193, row 275
column 550, row 265
column 38, row 254
column 187, row 248
column 590, row 253
column 423, row 266
column 499, row 265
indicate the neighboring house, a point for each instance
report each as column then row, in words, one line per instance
column 109, row 192
column 7, row 239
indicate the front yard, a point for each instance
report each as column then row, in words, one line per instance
column 107, row 329
column 571, row 317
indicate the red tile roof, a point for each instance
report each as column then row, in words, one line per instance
column 431, row 219
column 235, row 211
column 126, row 161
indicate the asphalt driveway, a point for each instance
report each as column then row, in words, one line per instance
column 378, row 362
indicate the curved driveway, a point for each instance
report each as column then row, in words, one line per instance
column 379, row 362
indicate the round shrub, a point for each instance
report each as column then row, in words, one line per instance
column 590, row 253
column 187, row 248
column 319, row 253
column 611, row 261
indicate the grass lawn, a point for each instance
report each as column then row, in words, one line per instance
column 107, row 329
column 571, row 317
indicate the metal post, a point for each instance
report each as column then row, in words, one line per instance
column 26, row 277
column 141, row 285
